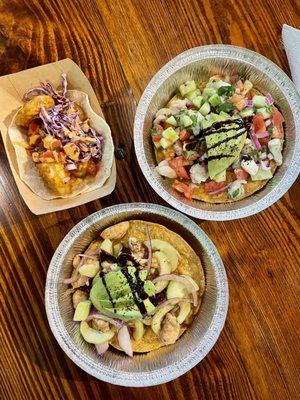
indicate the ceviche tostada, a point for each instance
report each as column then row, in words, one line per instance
column 137, row 287
column 218, row 141
column 63, row 148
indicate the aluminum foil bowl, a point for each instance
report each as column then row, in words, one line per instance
column 160, row 365
column 199, row 64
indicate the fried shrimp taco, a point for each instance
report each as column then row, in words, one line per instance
column 220, row 141
column 63, row 148
column 137, row 288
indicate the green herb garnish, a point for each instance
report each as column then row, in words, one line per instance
column 226, row 107
column 227, row 90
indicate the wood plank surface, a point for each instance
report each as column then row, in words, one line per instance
column 120, row 45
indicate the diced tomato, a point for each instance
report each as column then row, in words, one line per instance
column 165, row 125
column 92, row 168
column 264, row 141
column 33, row 128
column 277, row 117
column 184, row 135
column 213, row 186
column 241, row 174
column 156, row 138
column 259, row 123
column 240, row 105
column 169, row 153
column 249, row 95
column 236, row 98
column 178, row 164
column 239, row 85
column 47, row 153
column 159, row 128
column 183, row 188
column 62, row 156
column 55, row 144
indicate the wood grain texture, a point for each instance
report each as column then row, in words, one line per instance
column 120, row 45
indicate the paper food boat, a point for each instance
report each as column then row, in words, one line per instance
column 12, row 89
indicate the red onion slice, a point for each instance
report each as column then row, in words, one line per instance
column 71, row 167
column 269, row 99
column 172, row 277
column 177, row 300
column 125, row 341
column 75, row 273
column 223, row 189
column 95, row 314
column 268, row 122
column 254, row 139
column 262, row 135
column 102, row 348
column 249, row 103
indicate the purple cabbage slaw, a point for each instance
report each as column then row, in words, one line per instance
column 62, row 118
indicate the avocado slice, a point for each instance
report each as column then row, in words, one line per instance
column 224, row 140
column 117, row 294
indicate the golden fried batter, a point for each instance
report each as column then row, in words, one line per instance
column 31, row 109
column 57, row 178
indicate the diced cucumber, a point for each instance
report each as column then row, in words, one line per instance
column 205, row 109
column 156, row 143
column 208, row 92
column 205, row 124
column 95, row 337
column 171, row 120
column 185, row 121
column 107, row 246
column 90, row 270
column 158, row 317
column 247, row 112
column 221, row 177
column 214, row 100
column 169, row 137
column 264, row 112
column 197, row 101
column 185, row 309
column 187, row 87
column 194, row 93
column 176, row 289
column 164, row 267
column 82, row 310
column 164, row 143
column 214, row 117
column 262, row 174
column 259, row 101
column 138, row 330
column 224, row 115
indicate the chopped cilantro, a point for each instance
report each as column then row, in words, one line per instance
column 226, row 107
column 227, row 90
column 235, row 193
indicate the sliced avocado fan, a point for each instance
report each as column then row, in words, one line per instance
column 123, row 294
column 225, row 137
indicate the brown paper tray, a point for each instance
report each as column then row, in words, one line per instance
column 12, row 88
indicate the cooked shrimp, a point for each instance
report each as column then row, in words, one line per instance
column 78, row 297
column 170, row 329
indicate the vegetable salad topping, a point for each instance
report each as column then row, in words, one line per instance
column 218, row 137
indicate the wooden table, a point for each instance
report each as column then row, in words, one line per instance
column 120, row 45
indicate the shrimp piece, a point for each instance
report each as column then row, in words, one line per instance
column 170, row 329
column 78, row 297
column 115, row 232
